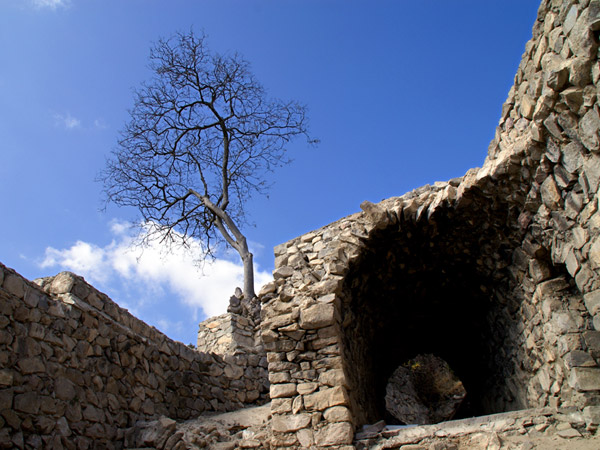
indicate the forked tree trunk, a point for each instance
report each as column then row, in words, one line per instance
column 227, row 228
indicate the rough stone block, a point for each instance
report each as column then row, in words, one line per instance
column 335, row 434
column 281, row 405
column 307, row 388
column 550, row 194
column 6, row 377
column 588, row 127
column 578, row 358
column 592, row 342
column 283, row 272
column 326, row 398
column 591, row 415
column 28, row 403
column 585, row 378
column 317, row 316
column 62, row 283
column 306, row 437
column 15, row 285
column 291, row 422
column 592, row 301
column 31, row 365
column 337, row 414
column 335, row 377
column 283, row 390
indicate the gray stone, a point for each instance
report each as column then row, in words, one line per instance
column 585, row 378
column 592, row 341
column 591, row 169
column 572, row 157
column 424, row 390
column 578, row 358
column 283, row 272
column 320, row 315
column 589, row 126
column 592, row 301
column 594, row 253
column 592, row 415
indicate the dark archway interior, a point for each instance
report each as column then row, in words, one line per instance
column 426, row 288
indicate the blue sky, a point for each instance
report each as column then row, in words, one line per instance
column 400, row 94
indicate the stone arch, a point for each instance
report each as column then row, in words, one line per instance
column 422, row 285
column 461, row 282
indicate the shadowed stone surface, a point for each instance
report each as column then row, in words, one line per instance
column 423, row 391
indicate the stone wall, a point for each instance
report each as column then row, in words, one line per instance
column 237, row 340
column 496, row 271
column 78, row 371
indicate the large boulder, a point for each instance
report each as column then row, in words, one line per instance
column 424, row 390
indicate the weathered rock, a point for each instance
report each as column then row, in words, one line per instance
column 424, row 390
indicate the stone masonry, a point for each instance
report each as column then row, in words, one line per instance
column 237, row 340
column 496, row 271
column 78, row 371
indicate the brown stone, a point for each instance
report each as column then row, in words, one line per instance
column 28, row 402
column 337, row 414
column 550, row 194
column 335, row 434
column 326, row 398
column 283, row 390
column 14, row 284
column 6, row 377
column 290, row 422
column 31, row 365
column 64, row 389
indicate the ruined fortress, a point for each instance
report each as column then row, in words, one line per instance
column 498, row 272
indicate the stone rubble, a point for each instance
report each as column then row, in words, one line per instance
column 245, row 428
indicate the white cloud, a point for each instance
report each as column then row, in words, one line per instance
column 51, row 4
column 154, row 271
column 99, row 124
column 67, row 121
column 81, row 258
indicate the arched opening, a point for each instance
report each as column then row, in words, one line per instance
column 450, row 286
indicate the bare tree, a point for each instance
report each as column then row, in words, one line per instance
column 201, row 136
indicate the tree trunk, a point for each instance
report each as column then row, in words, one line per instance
column 248, row 276
column 226, row 225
